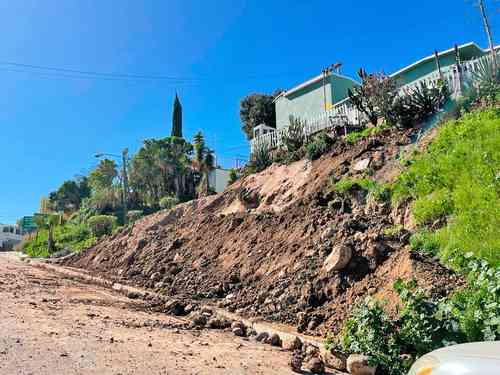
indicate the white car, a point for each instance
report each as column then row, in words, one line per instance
column 477, row 358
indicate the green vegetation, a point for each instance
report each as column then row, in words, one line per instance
column 177, row 118
column 353, row 137
column 423, row 323
column 257, row 109
column 168, row 202
column 457, row 179
column 378, row 97
column 319, row 146
column 233, row 175
column 454, row 188
column 379, row 192
column 101, row 225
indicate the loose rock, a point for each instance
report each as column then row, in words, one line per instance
column 316, row 365
column 357, row 364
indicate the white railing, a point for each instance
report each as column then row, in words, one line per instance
column 344, row 112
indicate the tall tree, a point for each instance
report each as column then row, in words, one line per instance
column 203, row 162
column 177, row 118
column 103, row 175
column 256, row 109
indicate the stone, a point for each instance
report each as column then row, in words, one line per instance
column 362, row 164
column 218, row 323
column 133, row 295
column 262, row 337
column 357, row 364
column 334, row 359
column 198, row 319
column 328, row 233
column 296, row 362
column 274, row 340
column 238, row 331
column 291, row 343
column 174, row 307
column 316, row 365
column 338, row 258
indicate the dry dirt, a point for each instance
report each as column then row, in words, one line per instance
column 51, row 325
column 259, row 248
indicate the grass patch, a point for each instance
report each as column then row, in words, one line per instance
column 458, row 178
column 354, row 137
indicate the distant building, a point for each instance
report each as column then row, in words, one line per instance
column 10, row 235
column 218, row 179
column 27, row 224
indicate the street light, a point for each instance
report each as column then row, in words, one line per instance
column 124, row 157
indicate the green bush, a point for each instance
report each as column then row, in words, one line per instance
column 319, row 146
column 424, row 242
column 101, row 224
column 134, row 215
column 457, row 177
column 233, row 176
column 371, row 332
column 168, row 202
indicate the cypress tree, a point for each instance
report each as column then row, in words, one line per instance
column 177, row 118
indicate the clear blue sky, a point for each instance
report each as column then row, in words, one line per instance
column 51, row 124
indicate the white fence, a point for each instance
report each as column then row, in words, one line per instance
column 344, row 112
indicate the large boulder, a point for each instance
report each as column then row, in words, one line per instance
column 338, row 258
column 358, row 364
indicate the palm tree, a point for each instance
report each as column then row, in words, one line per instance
column 203, row 162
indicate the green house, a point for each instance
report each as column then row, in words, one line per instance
column 311, row 98
column 428, row 65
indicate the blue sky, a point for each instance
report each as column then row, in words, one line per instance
column 52, row 123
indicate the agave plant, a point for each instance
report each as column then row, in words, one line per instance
column 486, row 79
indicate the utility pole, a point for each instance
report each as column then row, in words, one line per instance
column 125, row 183
column 487, row 29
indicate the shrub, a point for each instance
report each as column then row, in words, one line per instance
column 371, row 332
column 101, row 224
column 233, row 176
column 346, row 184
column 294, row 137
column 320, row 145
column 353, row 137
column 168, row 202
column 134, row 215
column 260, row 159
column 424, row 242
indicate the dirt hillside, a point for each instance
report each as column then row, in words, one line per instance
column 267, row 246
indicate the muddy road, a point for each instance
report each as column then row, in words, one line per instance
column 52, row 325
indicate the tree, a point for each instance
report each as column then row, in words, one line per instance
column 177, row 118
column 162, row 167
column 203, row 162
column 103, row 175
column 67, row 197
column 256, row 109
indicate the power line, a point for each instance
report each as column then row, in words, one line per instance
column 88, row 74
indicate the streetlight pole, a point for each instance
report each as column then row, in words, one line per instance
column 487, row 29
column 125, row 183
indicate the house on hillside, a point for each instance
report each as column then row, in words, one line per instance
column 311, row 98
column 322, row 102
column 429, row 65
column 10, row 235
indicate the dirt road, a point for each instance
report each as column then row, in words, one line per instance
column 51, row 325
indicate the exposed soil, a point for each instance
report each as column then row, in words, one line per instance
column 54, row 326
column 260, row 247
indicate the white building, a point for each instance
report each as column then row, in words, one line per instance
column 10, row 235
column 218, row 179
